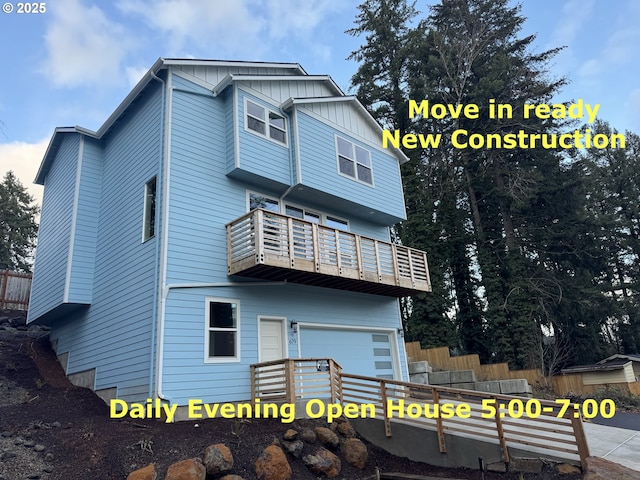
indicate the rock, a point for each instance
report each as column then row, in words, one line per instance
column 217, row 459
column 323, row 462
column 190, row 469
column 56, row 424
column 39, row 448
column 526, row 465
column 327, row 437
column 34, row 476
column 47, row 469
column 500, row 467
column 147, row 473
column 346, row 430
column 272, row 464
column 294, row 447
column 568, row 469
column 29, row 444
column 290, row 434
column 308, row 436
column 18, row 441
column 355, row 452
column 48, row 457
column 5, row 434
column 232, row 477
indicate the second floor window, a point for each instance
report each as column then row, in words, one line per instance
column 354, row 161
column 265, row 122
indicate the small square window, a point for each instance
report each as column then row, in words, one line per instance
column 265, row 122
column 354, row 161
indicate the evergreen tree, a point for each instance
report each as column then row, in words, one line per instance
column 18, row 227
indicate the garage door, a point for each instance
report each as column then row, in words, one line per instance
column 361, row 352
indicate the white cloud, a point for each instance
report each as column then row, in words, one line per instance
column 84, row 47
column 215, row 25
column 24, row 160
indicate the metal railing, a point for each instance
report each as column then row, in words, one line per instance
column 262, row 237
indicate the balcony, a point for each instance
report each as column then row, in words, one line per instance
column 270, row 246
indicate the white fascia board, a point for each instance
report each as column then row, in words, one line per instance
column 232, row 78
column 290, row 102
column 53, row 146
column 228, row 63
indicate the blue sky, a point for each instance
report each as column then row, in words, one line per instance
column 74, row 63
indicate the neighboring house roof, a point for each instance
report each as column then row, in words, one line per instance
column 294, row 72
column 595, row 368
column 619, row 358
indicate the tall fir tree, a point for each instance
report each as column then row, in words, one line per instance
column 18, row 227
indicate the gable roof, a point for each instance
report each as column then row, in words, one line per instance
column 290, row 71
column 619, row 358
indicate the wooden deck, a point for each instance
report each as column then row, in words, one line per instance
column 271, row 246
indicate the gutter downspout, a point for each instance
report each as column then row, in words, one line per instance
column 164, row 235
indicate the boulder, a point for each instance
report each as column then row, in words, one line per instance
column 272, row 464
column 290, row 434
column 217, row 459
column 231, row 477
column 293, row 447
column 327, row 437
column 190, row 469
column 147, row 473
column 346, row 430
column 308, row 436
column 355, row 452
column 323, row 462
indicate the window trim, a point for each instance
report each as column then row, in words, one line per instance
column 267, row 123
column 258, row 194
column 208, row 329
column 354, row 159
column 149, row 209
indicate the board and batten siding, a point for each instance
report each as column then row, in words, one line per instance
column 319, row 168
column 55, row 231
column 114, row 335
column 186, row 374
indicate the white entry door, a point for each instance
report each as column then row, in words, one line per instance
column 272, row 342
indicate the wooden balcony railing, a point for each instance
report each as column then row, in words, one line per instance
column 542, row 427
column 268, row 245
column 290, row 379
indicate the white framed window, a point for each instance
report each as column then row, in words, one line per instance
column 222, row 333
column 149, row 215
column 272, row 204
column 265, row 122
column 354, row 161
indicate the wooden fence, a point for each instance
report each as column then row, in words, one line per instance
column 440, row 358
column 15, row 288
column 544, row 427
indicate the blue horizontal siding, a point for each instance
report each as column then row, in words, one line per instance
column 54, row 233
column 86, row 225
column 319, row 169
column 114, row 335
column 258, row 155
column 187, row 376
column 202, row 199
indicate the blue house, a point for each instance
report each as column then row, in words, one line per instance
column 227, row 213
